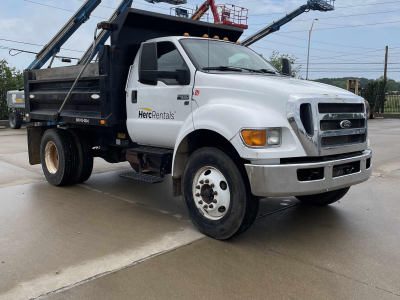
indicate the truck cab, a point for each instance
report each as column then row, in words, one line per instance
column 227, row 126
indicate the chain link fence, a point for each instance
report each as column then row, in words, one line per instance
column 392, row 103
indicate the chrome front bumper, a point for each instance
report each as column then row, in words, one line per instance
column 282, row 180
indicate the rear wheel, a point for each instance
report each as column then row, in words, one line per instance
column 217, row 194
column 324, row 198
column 15, row 120
column 59, row 156
column 85, row 155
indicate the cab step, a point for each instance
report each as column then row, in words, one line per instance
column 157, row 161
column 152, row 151
column 142, row 177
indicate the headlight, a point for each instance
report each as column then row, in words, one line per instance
column 274, row 136
column 261, row 138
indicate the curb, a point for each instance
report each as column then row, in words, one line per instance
column 4, row 123
column 388, row 116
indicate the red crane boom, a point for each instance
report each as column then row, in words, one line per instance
column 227, row 14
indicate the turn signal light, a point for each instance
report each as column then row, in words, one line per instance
column 255, row 138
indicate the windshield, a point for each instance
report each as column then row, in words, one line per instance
column 213, row 54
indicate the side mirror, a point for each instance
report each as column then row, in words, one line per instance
column 183, row 76
column 286, row 67
column 148, row 65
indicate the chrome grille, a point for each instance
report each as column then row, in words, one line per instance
column 335, row 124
column 337, row 108
column 342, row 139
column 331, row 134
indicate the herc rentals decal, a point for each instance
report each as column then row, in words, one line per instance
column 147, row 113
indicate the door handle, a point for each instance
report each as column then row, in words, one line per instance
column 134, row 97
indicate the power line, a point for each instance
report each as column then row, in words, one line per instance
column 168, row 9
column 244, row 35
column 26, row 43
column 348, row 26
column 317, row 49
column 351, row 63
column 296, row 38
column 30, row 52
column 340, row 7
column 346, row 16
column 62, row 9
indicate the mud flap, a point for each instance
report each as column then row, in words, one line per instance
column 35, row 135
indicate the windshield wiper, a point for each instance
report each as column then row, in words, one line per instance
column 238, row 69
column 260, row 71
column 222, row 68
column 268, row 71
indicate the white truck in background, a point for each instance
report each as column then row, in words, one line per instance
column 212, row 113
column 16, row 103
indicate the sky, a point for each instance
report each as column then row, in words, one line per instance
column 348, row 42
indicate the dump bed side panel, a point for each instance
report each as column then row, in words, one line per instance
column 90, row 102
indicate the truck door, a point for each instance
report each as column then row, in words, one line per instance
column 157, row 112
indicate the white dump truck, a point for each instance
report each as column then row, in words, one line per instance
column 212, row 113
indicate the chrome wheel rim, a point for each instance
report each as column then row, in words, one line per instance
column 51, row 157
column 211, row 193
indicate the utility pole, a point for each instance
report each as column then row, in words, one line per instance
column 309, row 42
column 385, row 79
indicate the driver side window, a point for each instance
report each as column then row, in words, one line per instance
column 169, row 59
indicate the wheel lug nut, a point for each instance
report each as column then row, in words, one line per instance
column 198, row 195
column 200, row 202
column 201, row 182
column 211, row 206
column 205, row 206
column 207, row 181
column 212, row 185
column 215, row 201
column 215, row 193
column 198, row 187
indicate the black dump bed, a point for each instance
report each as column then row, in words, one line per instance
column 99, row 97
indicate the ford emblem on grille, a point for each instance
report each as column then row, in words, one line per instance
column 345, row 124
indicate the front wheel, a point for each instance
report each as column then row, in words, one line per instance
column 324, row 198
column 217, row 194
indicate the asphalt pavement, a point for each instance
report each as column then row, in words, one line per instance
column 112, row 238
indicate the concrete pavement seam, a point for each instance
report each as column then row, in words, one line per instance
column 331, row 271
column 20, row 166
column 176, row 216
column 111, row 272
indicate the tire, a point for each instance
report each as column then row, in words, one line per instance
column 229, row 180
column 135, row 167
column 85, row 156
column 324, row 198
column 15, row 120
column 372, row 115
column 59, row 156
